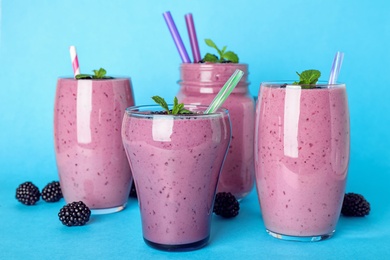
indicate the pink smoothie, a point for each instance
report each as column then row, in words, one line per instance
column 176, row 163
column 91, row 160
column 200, row 83
column 302, row 155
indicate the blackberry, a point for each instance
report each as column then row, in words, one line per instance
column 166, row 113
column 27, row 193
column 52, row 192
column 74, row 214
column 226, row 205
column 133, row 191
column 160, row 112
column 355, row 205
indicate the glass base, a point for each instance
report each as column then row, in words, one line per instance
column 178, row 248
column 108, row 210
column 300, row 238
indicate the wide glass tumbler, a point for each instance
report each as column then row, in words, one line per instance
column 91, row 161
column 176, row 161
column 302, row 142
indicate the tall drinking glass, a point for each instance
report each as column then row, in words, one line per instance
column 91, row 160
column 302, row 141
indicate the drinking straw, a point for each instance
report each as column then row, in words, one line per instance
column 176, row 37
column 75, row 60
column 336, row 66
column 193, row 38
column 225, row 91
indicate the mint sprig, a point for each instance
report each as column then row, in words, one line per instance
column 176, row 109
column 223, row 54
column 98, row 74
column 308, row 78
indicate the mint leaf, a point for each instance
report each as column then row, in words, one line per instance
column 83, row 76
column 177, row 108
column 223, row 54
column 161, row 102
column 308, row 77
column 229, row 55
column 210, row 43
column 99, row 74
column 185, row 111
column 210, row 58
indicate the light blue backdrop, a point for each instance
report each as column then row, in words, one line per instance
column 276, row 38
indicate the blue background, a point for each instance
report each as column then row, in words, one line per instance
column 276, row 38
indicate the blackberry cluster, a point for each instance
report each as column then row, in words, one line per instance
column 355, row 205
column 27, row 193
column 52, row 192
column 74, row 214
column 216, row 57
column 160, row 112
column 166, row 112
column 133, row 191
column 226, row 205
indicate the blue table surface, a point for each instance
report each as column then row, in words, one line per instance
column 28, row 232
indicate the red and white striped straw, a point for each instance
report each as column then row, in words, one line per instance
column 75, row 60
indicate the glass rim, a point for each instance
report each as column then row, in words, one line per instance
column 210, row 64
column 136, row 112
column 113, row 78
column 320, row 84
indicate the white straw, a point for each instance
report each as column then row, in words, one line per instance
column 336, row 66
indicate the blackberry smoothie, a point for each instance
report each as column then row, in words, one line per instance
column 91, row 160
column 302, row 153
column 176, row 162
column 199, row 85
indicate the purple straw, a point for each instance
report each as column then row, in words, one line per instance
column 193, row 39
column 176, row 37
